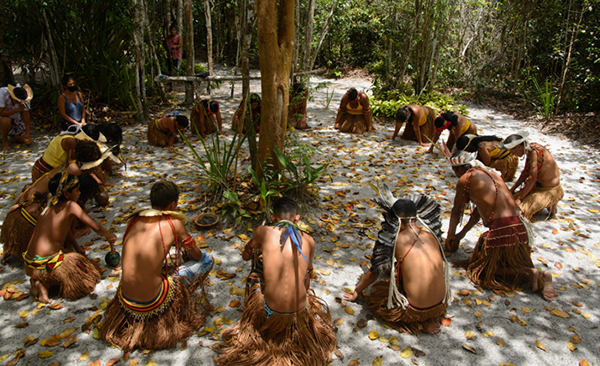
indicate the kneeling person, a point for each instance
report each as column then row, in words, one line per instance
column 152, row 309
column 418, row 291
column 45, row 262
column 284, row 322
column 502, row 257
column 163, row 131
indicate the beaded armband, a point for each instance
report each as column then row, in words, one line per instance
column 189, row 243
column 310, row 272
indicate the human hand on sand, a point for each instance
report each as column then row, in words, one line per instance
column 452, row 243
column 351, row 297
column 171, row 149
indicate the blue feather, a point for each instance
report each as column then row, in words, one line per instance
column 291, row 231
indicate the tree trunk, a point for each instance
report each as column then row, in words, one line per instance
column 296, row 43
column 406, row 56
column 154, row 63
column 275, row 51
column 179, row 14
column 390, row 45
column 249, row 24
column 323, row 35
column 208, row 36
column 568, row 62
column 140, row 62
column 166, row 30
column 53, row 66
column 189, row 47
column 6, row 74
column 310, row 16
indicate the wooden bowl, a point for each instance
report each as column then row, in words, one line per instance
column 206, row 220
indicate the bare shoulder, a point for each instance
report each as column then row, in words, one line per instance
column 309, row 239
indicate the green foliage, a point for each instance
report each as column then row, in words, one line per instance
column 387, row 104
column 235, row 203
column 300, row 172
column 545, row 96
column 267, row 186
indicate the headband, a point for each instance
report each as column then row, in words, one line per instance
column 470, row 137
column 63, row 186
column 464, row 159
column 513, row 144
column 445, row 126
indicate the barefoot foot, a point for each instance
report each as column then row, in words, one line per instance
column 41, row 290
column 548, row 291
column 431, row 328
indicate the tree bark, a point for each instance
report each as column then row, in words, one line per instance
column 140, row 61
column 6, row 74
column 53, row 66
column 310, row 16
column 275, row 50
column 323, row 35
column 189, row 47
column 209, row 42
column 154, row 63
column 249, row 24
column 296, row 43
column 574, row 33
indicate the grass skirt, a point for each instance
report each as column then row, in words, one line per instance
column 156, row 137
column 428, row 129
column 499, row 254
column 304, row 338
column 352, row 123
column 209, row 126
column 165, row 330
column 540, row 198
column 507, row 167
column 17, row 232
column 75, row 278
column 409, row 320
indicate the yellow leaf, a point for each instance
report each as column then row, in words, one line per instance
column 575, row 340
column 330, row 262
column 27, row 339
column 507, row 364
column 227, row 231
column 593, row 210
column 347, row 290
column 45, row 354
column 488, row 334
column 3, row 358
column 373, row 335
column 583, row 362
column 151, row 363
column 393, row 341
column 467, row 302
column 540, row 345
column 23, row 313
column 586, row 315
column 469, row 334
column 470, row 348
column 377, row 361
column 406, row 353
column 478, row 314
column 349, row 310
column 96, row 333
column 500, row 342
column 338, row 322
column 133, row 362
column 560, row 313
column 478, row 302
column 525, row 310
column 353, row 363
column 85, row 356
column 521, row 322
column 571, row 346
column 486, row 302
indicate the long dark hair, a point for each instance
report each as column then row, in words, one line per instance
column 471, row 144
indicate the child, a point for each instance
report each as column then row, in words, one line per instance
column 152, row 309
column 45, row 262
column 163, row 131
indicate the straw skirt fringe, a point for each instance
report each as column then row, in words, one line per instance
column 540, row 198
column 304, row 338
column 409, row 320
column 428, row 129
column 352, row 123
column 156, row 137
column 165, row 330
column 76, row 277
column 16, row 233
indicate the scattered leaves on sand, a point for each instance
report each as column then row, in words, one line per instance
column 560, row 313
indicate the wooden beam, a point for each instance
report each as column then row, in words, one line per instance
column 169, row 79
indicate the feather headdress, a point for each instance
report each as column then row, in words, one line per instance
column 428, row 214
column 511, row 145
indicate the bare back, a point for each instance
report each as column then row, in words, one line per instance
column 284, row 269
column 422, row 268
column 144, row 255
column 548, row 176
column 489, row 193
column 52, row 229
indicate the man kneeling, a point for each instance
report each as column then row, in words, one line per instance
column 153, row 310
column 284, row 322
column 418, row 292
column 45, row 262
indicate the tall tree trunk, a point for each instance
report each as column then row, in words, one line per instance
column 6, row 74
column 140, row 61
column 310, row 17
column 154, row 62
column 323, row 35
column 296, row 43
column 189, row 48
column 179, row 14
column 166, row 32
column 275, row 51
column 53, row 64
column 406, row 56
column 574, row 33
column 209, row 41
column 249, row 24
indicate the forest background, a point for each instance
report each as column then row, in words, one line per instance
column 545, row 53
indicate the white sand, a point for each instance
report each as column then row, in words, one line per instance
column 354, row 161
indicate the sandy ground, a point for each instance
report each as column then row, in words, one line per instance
column 567, row 246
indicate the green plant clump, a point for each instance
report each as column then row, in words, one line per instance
column 386, row 104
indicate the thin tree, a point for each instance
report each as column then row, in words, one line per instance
column 275, row 51
column 189, row 50
column 323, row 35
column 209, row 42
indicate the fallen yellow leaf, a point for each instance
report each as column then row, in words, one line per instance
column 540, row 345
column 349, row 310
column 406, row 353
column 373, row 335
column 45, row 354
column 560, row 313
column 500, row 342
column 469, row 334
column 571, row 346
column 377, row 361
column 85, row 356
column 488, row 334
column 575, row 340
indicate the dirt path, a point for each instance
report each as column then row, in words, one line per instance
column 567, row 246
